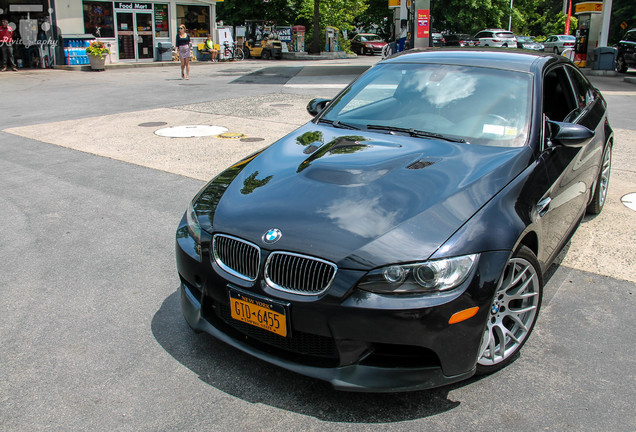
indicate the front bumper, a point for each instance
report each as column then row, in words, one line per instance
column 355, row 377
column 355, row 340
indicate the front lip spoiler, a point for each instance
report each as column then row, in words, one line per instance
column 353, row 378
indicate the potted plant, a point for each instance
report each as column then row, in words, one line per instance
column 97, row 52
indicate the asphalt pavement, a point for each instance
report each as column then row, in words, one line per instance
column 91, row 335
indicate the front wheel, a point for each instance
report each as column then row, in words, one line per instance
column 386, row 51
column 513, row 312
column 621, row 66
column 556, row 50
column 602, row 183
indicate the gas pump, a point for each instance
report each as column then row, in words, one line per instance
column 580, row 46
column 331, row 39
column 589, row 31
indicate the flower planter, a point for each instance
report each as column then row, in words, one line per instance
column 97, row 63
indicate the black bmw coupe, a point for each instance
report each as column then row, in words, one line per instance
column 398, row 241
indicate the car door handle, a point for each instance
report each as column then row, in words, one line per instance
column 543, row 206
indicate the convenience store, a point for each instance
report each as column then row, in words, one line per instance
column 131, row 30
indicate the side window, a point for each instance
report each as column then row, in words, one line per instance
column 583, row 90
column 480, row 35
column 558, row 100
column 631, row 36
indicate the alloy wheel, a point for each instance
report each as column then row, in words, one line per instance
column 512, row 313
column 605, row 176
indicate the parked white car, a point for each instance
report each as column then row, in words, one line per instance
column 495, row 38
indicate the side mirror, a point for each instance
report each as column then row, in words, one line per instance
column 568, row 134
column 316, row 105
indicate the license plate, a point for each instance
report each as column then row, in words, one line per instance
column 258, row 312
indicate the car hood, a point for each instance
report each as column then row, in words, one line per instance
column 359, row 199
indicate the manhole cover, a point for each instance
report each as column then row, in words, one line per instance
column 629, row 200
column 252, row 139
column 281, row 105
column 152, row 124
column 190, row 131
column 231, row 135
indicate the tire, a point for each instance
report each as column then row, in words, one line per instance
column 513, row 312
column 621, row 66
column 246, row 53
column 386, row 51
column 238, row 54
column 265, row 55
column 602, row 182
column 555, row 50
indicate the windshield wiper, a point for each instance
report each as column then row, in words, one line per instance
column 416, row 133
column 338, row 124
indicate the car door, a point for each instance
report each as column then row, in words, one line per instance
column 549, row 43
column 569, row 171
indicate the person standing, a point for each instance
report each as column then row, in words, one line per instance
column 6, row 46
column 184, row 46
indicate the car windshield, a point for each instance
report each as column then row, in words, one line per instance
column 371, row 38
column 475, row 104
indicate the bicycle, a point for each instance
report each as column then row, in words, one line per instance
column 232, row 52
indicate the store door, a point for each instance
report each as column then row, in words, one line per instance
column 134, row 35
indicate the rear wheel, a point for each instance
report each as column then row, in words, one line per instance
column 621, row 66
column 602, row 183
column 265, row 55
column 238, row 54
column 513, row 312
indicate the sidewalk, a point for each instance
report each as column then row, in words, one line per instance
column 295, row 56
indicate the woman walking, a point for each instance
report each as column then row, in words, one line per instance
column 184, row 47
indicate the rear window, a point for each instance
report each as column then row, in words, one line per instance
column 508, row 35
column 568, row 38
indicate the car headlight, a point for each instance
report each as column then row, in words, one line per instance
column 193, row 224
column 425, row 277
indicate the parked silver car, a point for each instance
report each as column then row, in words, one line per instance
column 557, row 43
column 495, row 38
column 528, row 42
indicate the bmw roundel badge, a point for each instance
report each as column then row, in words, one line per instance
column 272, row 235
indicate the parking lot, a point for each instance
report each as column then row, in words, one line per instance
column 91, row 332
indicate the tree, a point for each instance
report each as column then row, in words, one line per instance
column 333, row 13
column 622, row 11
column 236, row 12
column 378, row 18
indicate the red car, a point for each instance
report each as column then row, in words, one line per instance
column 367, row 43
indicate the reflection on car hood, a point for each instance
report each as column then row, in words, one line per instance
column 359, row 199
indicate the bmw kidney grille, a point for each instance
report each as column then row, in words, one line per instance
column 284, row 271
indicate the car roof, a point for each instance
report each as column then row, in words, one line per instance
column 516, row 60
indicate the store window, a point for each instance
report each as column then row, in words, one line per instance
column 161, row 21
column 195, row 18
column 98, row 19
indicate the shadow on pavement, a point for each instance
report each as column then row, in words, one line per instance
column 242, row 376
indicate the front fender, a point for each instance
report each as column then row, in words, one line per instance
column 502, row 223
